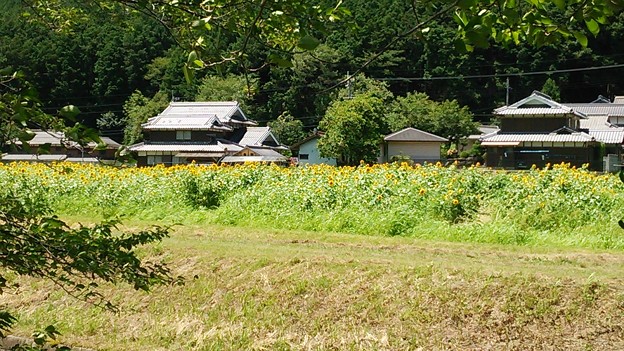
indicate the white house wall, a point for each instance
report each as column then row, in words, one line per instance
column 314, row 156
column 417, row 151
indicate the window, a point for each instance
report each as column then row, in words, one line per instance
column 183, row 135
column 303, row 156
column 154, row 160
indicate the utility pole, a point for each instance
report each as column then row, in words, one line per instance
column 349, row 86
column 507, row 94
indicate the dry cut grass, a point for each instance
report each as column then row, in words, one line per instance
column 284, row 290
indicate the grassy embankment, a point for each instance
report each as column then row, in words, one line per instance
column 451, row 259
column 264, row 289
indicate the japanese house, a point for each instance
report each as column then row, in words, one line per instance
column 201, row 132
column 538, row 130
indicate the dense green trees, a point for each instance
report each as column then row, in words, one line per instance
column 365, row 111
column 287, row 129
column 230, row 88
column 95, row 66
column 446, row 119
column 110, row 52
column 353, row 128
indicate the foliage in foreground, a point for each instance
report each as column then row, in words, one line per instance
column 35, row 243
column 558, row 205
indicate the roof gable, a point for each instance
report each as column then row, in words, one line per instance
column 601, row 100
column 413, row 134
column 256, row 136
column 537, row 104
column 306, row 140
column 536, row 99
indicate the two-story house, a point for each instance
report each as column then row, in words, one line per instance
column 203, row 132
column 538, row 130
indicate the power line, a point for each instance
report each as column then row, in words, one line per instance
column 501, row 75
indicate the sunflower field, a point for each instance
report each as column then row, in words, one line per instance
column 557, row 206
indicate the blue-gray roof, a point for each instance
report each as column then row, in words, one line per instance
column 413, row 134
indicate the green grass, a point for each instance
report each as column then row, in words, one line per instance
column 559, row 207
column 294, row 290
column 324, row 258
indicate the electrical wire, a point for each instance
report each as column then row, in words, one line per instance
column 500, row 75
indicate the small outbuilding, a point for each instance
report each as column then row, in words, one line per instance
column 416, row 144
column 308, row 153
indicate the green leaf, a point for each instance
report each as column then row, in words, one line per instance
column 188, row 74
column 26, row 136
column 44, row 149
column 581, row 38
column 593, row 26
column 466, row 4
column 621, row 223
column 280, row 61
column 461, row 18
column 70, row 112
column 308, row 42
column 477, row 37
column 460, row 46
column 510, row 4
column 561, row 4
column 192, row 56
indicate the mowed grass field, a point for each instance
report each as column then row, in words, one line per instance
column 290, row 290
column 364, row 258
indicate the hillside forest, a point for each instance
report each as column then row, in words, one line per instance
column 121, row 68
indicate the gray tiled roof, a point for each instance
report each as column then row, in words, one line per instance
column 608, row 136
column 185, row 122
column 200, row 154
column 83, row 159
column 579, row 137
column 485, row 131
column 597, row 123
column 537, row 104
column 237, row 159
column 58, row 139
column 201, row 115
column 599, row 109
column 535, row 111
column 31, row 157
column 172, row 147
column 413, row 134
column 255, row 136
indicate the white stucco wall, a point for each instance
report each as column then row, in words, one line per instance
column 310, row 148
column 417, row 151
